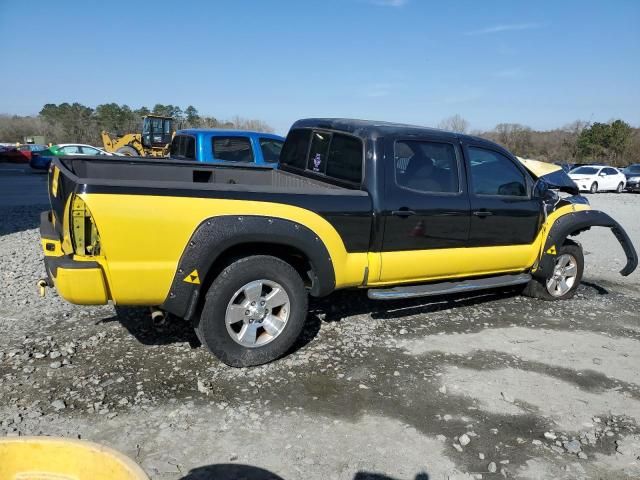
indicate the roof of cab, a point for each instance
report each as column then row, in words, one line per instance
column 374, row 128
column 225, row 132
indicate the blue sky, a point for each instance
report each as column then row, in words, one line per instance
column 543, row 63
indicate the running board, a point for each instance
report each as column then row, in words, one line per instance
column 444, row 288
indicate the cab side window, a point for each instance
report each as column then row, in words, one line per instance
column 429, row 167
column 232, row 149
column 495, row 174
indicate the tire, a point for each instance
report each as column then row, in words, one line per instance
column 620, row 188
column 594, row 187
column 128, row 151
column 540, row 288
column 257, row 337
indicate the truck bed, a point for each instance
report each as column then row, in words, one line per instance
column 177, row 174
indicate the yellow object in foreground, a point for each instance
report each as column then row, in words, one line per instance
column 48, row 458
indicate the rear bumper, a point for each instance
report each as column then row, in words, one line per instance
column 77, row 280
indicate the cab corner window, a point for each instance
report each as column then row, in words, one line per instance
column 294, row 151
column 429, row 167
column 494, row 174
column 232, row 149
column 345, row 158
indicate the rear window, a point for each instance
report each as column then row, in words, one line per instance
column 183, row 147
column 335, row 155
column 232, row 149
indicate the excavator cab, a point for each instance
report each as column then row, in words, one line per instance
column 156, row 131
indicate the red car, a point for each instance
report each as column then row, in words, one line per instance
column 21, row 154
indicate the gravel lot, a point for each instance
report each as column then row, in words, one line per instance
column 492, row 385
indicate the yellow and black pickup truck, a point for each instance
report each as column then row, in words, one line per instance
column 399, row 210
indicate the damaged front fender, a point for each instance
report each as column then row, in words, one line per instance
column 574, row 223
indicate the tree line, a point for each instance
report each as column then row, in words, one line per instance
column 77, row 123
column 613, row 143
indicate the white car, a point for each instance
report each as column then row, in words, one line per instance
column 598, row 178
column 81, row 149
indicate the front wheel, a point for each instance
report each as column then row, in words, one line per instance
column 594, row 187
column 254, row 311
column 128, row 151
column 620, row 188
column 565, row 278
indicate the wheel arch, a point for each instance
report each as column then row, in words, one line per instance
column 574, row 223
column 218, row 241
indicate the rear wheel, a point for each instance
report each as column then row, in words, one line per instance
column 128, row 151
column 620, row 188
column 594, row 187
column 565, row 277
column 254, row 311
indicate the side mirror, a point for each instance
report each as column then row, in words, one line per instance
column 542, row 191
column 602, row 174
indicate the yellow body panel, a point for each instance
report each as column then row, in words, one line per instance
column 143, row 238
column 436, row 264
column 63, row 459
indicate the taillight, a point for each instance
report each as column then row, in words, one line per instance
column 84, row 233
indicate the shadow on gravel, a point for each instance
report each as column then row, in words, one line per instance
column 137, row 321
column 334, row 308
column 18, row 219
column 600, row 290
column 230, row 471
column 346, row 303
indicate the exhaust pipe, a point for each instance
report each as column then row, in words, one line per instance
column 158, row 317
column 43, row 283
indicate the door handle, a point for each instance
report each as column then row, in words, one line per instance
column 403, row 212
column 483, row 213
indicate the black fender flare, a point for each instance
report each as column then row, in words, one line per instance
column 217, row 234
column 574, row 223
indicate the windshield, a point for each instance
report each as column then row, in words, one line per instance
column 585, row 171
column 632, row 169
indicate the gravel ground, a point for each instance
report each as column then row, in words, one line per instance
column 491, row 385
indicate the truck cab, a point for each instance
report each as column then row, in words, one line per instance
column 218, row 146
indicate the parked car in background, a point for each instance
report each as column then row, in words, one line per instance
column 226, row 146
column 21, row 153
column 41, row 160
column 632, row 172
column 598, row 178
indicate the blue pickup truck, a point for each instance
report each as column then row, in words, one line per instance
column 224, row 146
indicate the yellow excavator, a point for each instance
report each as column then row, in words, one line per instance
column 154, row 141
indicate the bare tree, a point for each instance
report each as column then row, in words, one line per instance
column 454, row 123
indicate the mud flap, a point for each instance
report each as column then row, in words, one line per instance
column 575, row 223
